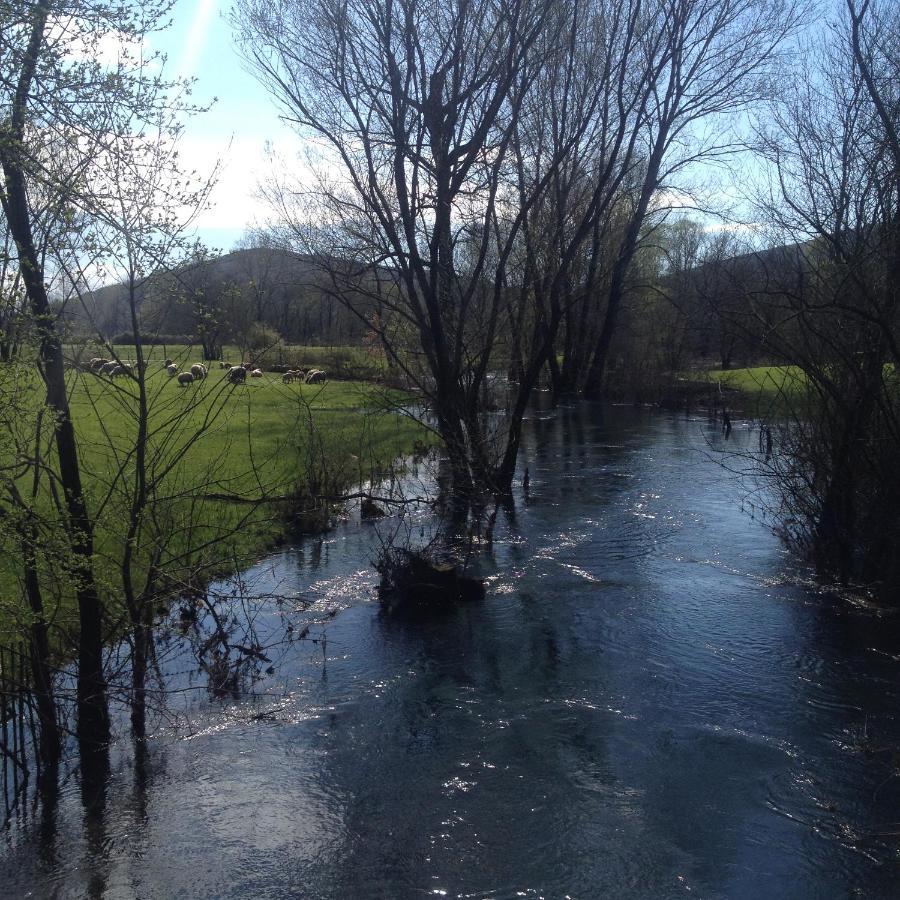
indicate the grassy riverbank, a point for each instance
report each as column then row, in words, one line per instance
column 761, row 391
column 231, row 471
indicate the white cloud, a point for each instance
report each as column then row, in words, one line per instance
column 80, row 43
column 233, row 203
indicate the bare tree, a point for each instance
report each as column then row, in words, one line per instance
column 416, row 103
column 835, row 190
column 480, row 164
column 714, row 60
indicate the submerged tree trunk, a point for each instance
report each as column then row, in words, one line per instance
column 39, row 656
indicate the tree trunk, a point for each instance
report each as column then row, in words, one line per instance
column 93, row 714
column 39, row 655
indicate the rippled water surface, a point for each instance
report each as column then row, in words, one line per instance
column 651, row 702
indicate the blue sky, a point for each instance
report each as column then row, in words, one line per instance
column 199, row 44
column 242, row 121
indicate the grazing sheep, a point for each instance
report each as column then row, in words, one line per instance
column 316, row 376
column 185, row 378
column 237, row 375
column 287, row 378
column 172, row 369
column 223, row 364
column 106, row 368
column 256, row 373
column 97, row 363
column 120, row 371
column 198, row 371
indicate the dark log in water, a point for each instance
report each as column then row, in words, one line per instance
column 414, row 583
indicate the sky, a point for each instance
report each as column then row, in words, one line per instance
column 236, row 131
column 238, row 127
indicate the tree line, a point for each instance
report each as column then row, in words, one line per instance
column 486, row 172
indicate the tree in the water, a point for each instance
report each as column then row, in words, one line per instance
column 477, row 162
column 834, row 311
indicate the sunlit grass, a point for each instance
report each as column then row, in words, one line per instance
column 762, row 382
column 233, row 463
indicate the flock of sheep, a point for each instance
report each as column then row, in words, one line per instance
column 197, row 372
column 238, row 374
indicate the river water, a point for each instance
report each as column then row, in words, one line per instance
column 652, row 701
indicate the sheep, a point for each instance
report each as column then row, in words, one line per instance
column 237, row 375
column 168, row 362
column 316, row 376
column 198, row 371
column 247, row 366
column 256, row 373
column 106, row 368
column 97, row 363
column 223, row 364
column 121, row 370
column 287, row 378
column 185, row 378
column 172, row 369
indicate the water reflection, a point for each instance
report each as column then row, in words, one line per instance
column 650, row 701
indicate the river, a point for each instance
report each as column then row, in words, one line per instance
column 654, row 700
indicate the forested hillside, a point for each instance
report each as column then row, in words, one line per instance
column 216, row 300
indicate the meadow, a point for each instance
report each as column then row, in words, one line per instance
column 764, row 391
column 343, row 362
column 230, row 470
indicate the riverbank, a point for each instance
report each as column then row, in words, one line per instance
column 233, row 471
column 758, row 392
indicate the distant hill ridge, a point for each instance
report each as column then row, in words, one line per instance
column 271, row 286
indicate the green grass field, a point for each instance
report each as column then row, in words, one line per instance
column 343, row 362
column 766, row 380
column 766, row 391
column 207, row 441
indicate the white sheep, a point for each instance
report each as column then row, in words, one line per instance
column 185, row 378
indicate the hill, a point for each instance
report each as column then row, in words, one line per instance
column 219, row 298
